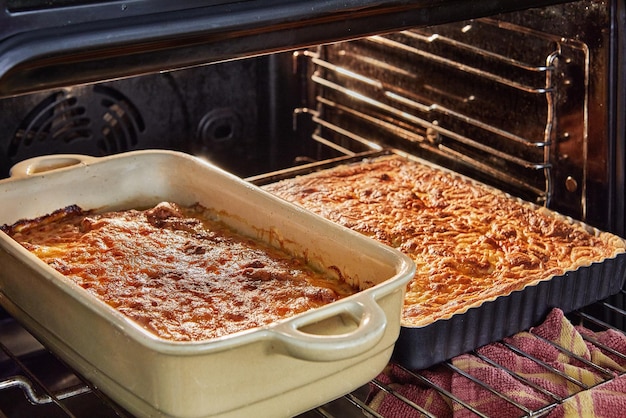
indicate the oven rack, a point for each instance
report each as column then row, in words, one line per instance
column 68, row 395
column 432, row 84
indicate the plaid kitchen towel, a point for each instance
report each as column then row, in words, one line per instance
column 607, row 400
column 602, row 400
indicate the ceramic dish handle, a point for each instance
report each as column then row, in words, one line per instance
column 371, row 324
column 39, row 165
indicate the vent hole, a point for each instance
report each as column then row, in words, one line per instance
column 58, row 118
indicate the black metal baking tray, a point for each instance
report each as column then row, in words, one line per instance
column 422, row 347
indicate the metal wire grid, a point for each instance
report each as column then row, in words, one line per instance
column 579, row 317
column 34, row 383
column 43, row 399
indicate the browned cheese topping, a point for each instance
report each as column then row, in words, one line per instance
column 470, row 243
column 175, row 271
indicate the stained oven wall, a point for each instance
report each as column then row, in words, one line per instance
column 211, row 111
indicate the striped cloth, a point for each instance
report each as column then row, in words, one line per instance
column 603, row 396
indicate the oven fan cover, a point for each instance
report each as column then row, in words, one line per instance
column 97, row 120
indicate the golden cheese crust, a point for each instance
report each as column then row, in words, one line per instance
column 175, row 271
column 470, row 243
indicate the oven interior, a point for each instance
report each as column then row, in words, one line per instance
column 527, row 101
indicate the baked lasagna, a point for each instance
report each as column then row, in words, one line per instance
column 471, row 243
column 177, row 271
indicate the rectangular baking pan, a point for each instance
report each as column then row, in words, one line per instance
column 279, row 370
column 424, row 346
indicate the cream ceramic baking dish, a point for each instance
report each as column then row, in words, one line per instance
column 278, row 370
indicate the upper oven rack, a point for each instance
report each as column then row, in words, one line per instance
column 57, row 44
column 449, row 93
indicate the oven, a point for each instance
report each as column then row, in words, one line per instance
column 526, row 96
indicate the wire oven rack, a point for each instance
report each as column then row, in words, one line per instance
column 34, row 383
